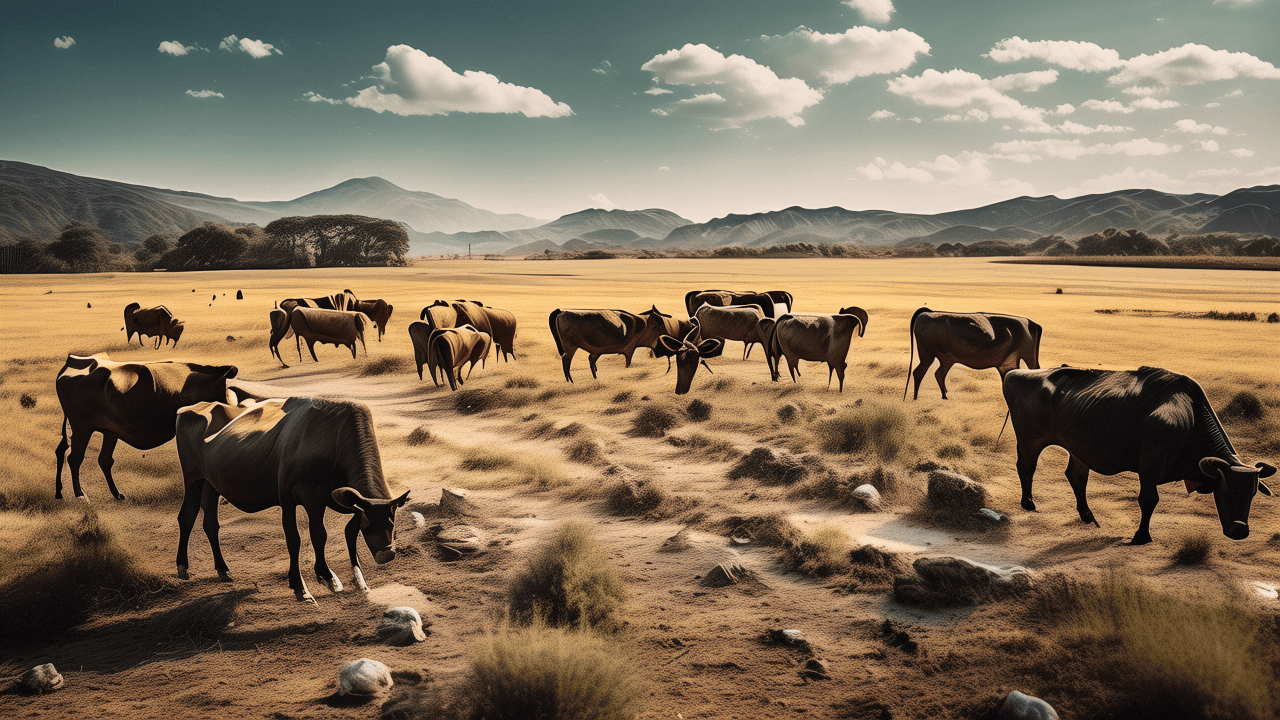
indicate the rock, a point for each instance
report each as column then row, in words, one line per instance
column 727, row 573
column 677, row 543
column 1018, row 706
column 954, row 580
column 788, row 412
column 770, row 467
column 402, row 626
column 454, row 501
column 993, row 517
column 239, row 294
column 418, row 519
column 364, row 677
column 816, row 669
column 461, row 540
column 955, row 492
column 89, row 305
column 789, row 637
column 929, row 466
column 866, row 496
column 42, row 679
column 739, row 540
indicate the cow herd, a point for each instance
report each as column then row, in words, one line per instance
column 259, row 453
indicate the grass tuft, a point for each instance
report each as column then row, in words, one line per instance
column 386, row 365
column 524, row 382
column 1193, row 549
column 1244, row 406
column 872, row 427
column 634, row 497
column 569, row 582
column 653, row 421
column 699, row 411
column 952, row 451
column 485, row 460
column 825, row 552
column 584, row 451
column 420, row 436
column 773, row 529
column 27, row 401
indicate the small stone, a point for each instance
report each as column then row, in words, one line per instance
column 866, row 496
column 816, row 669
column 401, row 626
column 364, row 677
column 677, row 543
column 239, row 294
column 42, row 679
column 89, row 305
column 418, row 519
column 1019, row 706
column 739, row 540
column 795, row 637
column 454, row 501
column 993, row 517
column 727, row 573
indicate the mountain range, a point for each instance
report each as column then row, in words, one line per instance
column 35, row 202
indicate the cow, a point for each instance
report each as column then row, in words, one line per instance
column 976, row 340
column 420, row 335
column 157, row 322
column 333, row 327
column 676, row 329
column 442, row 314
column 345, row 300
column 132, row 401
column 731, row 322
column 688, row 352
column 603, row 332
column 321, row 454
column 1151, row 421
column 499, row 324
column 774, row 303
column 450, row 348
column 804, row 336
column 379, row 311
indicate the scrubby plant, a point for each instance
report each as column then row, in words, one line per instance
column 630, row 496
column 1244, row 406
column 698, row 411
column 27, row 401
column 385, row 365
column 484, row 459
column 420, row 436
column 583, row 451
column 772, row 529
column 952, row 451
column 825, row 552
column 1193, row 549
column 523, row 381
column 871, row 427
column 569, row 582
column 653, row 421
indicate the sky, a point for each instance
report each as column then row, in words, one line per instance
column 701, row 107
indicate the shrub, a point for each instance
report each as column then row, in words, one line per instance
column 699, row 411
column 773, row 529
column 483, row 459
column 622, row 397
column 634, row 497
column 870, row 427
column 653, row 421
column 769, row 467
column 1193, row 549
column 570, row 581
column 419, row 436
column 542, row 672
column 524, row 382
column 27, row 401
column 952, row 452
column 824, row 553
column 584, row 451
column 385, row 365
column 711, row 447
column 1244, row 406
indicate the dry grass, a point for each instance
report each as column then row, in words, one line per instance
column 952, row 451
column 698, row 411
column 584, row 451
column 472, row 402
column 486, row 460
column 569, row 582
column 386, row 366
column 825, row 552
column 1193, row 549
column 634, row 496
column 420, row 436
column 773, row 529
column 872, row 427
column 653, row 421
column 1246, row 406
column 524, row 382
column 707, row 446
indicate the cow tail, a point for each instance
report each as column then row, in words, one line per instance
column 911, row 352
column 1036, row 332
column 555, row 331
column 688, row 301
column 1002, row 426
column 444, row 358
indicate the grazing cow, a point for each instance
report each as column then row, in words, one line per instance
column 450, row 348
column 688, row 352
column 321, row 454
column 603, row 332
column 774, row 303
column 500, row 324
column 976, row 340
column 379, row 311
column 345, row 300
column 731, row 322
column 155, row 322
column 1151, row 421
column 676, row 329
column 333, row 327
column 420, row 334
column 133, row 401
column 817, row 337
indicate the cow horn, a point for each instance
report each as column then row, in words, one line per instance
column 1265, row 470
column 708, row 367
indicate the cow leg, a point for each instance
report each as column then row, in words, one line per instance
column 311, row 348
column 61, row 452
column 319, row 536
column 591, row 360
column 839, row 374
column 297, row 341
column 791, row 368
column 209, row 503
column 566, row 360
column 292, row 540
column 187, row 520
column 1028, row 458
column 1148, row 498
column 926, row 361
column 352, row 530
column 106, row 459
column 941, row 376
column 79, row 443
column 1078, row 476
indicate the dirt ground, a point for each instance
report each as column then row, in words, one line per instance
column 699, row 649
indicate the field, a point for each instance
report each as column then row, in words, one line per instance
column 535, row 451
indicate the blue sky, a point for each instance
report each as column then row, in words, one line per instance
column 703, row 107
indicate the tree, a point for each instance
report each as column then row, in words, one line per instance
column 343, row 240
column 208, row 247
column 81, row 248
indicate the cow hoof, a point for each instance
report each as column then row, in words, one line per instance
column 57, row 496
column 224, row 577
column 1087, row 518
column 304, row 596
column 83, row 498
column 1139, row 540
column 182, row 573
column 1029, row 505
column 119, row 496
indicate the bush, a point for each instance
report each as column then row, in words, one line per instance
column 419, row 436
column 471, row 402
column 385, row 365
column 824, row 553
column 634, row 497
column 524, row 382
column 699, row 411
column 541, row 672
column 871, row 427
column 483, row 459
column 952, row 452
column 1244, row 406
column 653, row 421
column 27, row 401
column 1193, row 549
column 583, row 451
column 773, row 529
column 570, row 581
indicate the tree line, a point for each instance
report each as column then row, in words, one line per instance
column 290, row 242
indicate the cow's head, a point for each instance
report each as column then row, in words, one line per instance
column 688, row 355
column 654, row 327
column 377, row 520
column 1233, row 488
column 858, row 313
column 175, row 331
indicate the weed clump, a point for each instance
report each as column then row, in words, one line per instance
column 385, row 365
column 483, row 459
column 773, row 529
column 569, row 582
column 523, row 382
column 419, row 436
column 653, row 421
column 952, row 452
column 711, row 447
column 471, row 402
column 769, row 467
column 634, row 497
column 1193, row 549
column 871, row 427
column 699, row 411
column 825, row 552
column 27, row 401
column 624, row 396
column 1244, row 406
column 584, row 451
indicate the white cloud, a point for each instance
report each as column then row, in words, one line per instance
column 1026, row 82
column 915, row 120
column 1124, row 180
column 882, row 115
column 204, row 94
column 958, row 88
column 664, row 168
column 744, row 89
column 1070, row 54
column 1214, row 173
column 1029, row 150
column 64, row 42
column 1065, row 109
column 875, row 11
column 1142, row 103
column 882, row 170
column 1237, row 3
column 1271, row 173
column 1234, row 93
column 973, row 115
column 1150, row 103
column 255, row 48
column 1145, row 91
column 1111, row 106
column 1209, row 145
column 1073, row 128
column 411, row 82
column 175, row 48
column 1213, row 105
column 1192, row 64
column 1194, row 128
column 600, row 201
column 317, row 97
column 969, row 169
column 837, row 58
column 657, row 91
column 604, row 68
column 1241, row 152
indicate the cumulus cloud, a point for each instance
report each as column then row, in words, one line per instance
column 973, row 115
column 1070, row 54
column 836, row 58
column 1209, row 145
column 968, row 168
column 1271, row 173
column 1194, row 128
column 604, row 68
column 64, row 42
column 657, row 91
column 600, row 201
column 411, row 82
column 1213, row 173
column 915, row 120
column 1192, row 64
column 1142, row 103
column 255, row 48
column 1241, row 152
column 175, row 48
column 1026, row 82
column 880, row 169
column 1065, row 109
column 744, row 90
column 1123, row 180
column 882, row 115
column 1144, row 90
column 1030, row 150
column 664, row 168
column 874, row 11
column 1150, row 103
column 1111, row 106
column 204, row 94
column 1234, row 93
column 316, row 97
column 1073, row 128
column 958, row 88
column 1213, row 105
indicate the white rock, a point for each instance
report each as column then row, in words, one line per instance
column 364, row 677
column 401, row 626
column 42, row 679
column 793, row 636
column 1018, row 706
column 866, row 495
column 993, row 517
column 418, row 519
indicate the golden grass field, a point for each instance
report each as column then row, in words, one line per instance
column 697, row 650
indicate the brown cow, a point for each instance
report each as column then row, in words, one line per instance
column 688, row 352
column 332, row 327
column 157, row 322
column 603, row 332
column 817, row 337
column 732, row 322
column 133, row 402
column 379, row 311
column 448, row 349
column 321, row 454
column 774, row 303
column 976, row 340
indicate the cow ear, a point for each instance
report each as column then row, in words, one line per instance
column 1262, row 488
column 350, row 498
column 400, row 501
column 1265, row 470
column 711, row 348
column 1213, row 467
column 858, row 313
column 669, row 343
